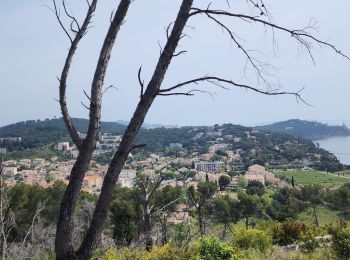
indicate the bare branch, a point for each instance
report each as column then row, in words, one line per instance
column 74, row 20
column 167, row 30
column 84, row 105
column 188, row 93
column 56, row 11
column 40, row 207
column 108, row 88
column 165, row 206
column 141, row 82
column 156, row 186
column 160, row 48
column 179, row 53
column 101, row 69
column 256, row 65
column 87, row 95
column 302, row 36
column 63, row 79
column 220, row 81
column 137, row 146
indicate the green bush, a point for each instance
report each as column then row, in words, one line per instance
column 341, row 241
column 211, row 248
column 167, row 252
column 268, row 226
column 252, row 238
column 290, row 232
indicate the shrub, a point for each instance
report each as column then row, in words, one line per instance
column 211, row 248
column 268, row 226
column 167, row 252
column 289, row 232
column 252, row 238
column 341, row 241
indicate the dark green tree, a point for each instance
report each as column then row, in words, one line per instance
column 247, row 206
column 126, row 214
column 221, row 212
column 224, row 180
column 199, row 199
column 340, row 200
column 255, row 188
column 313, row 195
column 286, row 203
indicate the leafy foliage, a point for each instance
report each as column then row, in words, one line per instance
column 255, row 188
column 224, row 180
column 341, row 241
column 210, row 248
column 252, row 238
column 289, row 232
column 286, row 203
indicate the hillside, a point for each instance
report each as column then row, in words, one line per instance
column 253, row 146
column 37, row 133
column 306, row 129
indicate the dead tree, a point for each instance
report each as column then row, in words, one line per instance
column 147, row 193
column 148, row 92
column 11, row 249
column 152, row 208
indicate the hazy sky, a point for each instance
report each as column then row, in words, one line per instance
column 33, row 49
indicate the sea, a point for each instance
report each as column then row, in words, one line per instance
column 339, row 146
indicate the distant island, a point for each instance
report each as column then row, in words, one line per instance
column 306, row 129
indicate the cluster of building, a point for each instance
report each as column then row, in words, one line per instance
column 45, row 173
column 107, row 143
column 6, row 140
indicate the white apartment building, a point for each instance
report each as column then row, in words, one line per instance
column 127, row 178
column 108, row 143
column 209, row 166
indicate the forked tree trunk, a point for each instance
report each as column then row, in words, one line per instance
column 63, row 242
column 127, row 143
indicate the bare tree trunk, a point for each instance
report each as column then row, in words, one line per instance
column 164, row 230
column 200, row 221
column 63, row 244
column 315, row 214
column 223, row 235
column 147, row 226
column 246, row 222
column 127, row 143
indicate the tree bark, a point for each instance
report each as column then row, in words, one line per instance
column 200, row 221
column 223, row 235
column 147, row 226
column 126, row 145
column 63, row 243
column 315, row 214
column 164, row 230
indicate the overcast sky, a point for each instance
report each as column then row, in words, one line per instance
column 33, row 49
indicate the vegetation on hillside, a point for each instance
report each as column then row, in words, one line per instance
column 306, row 129
column 277, row 150
column 272, row 224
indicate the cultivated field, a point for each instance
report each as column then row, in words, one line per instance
column 314, row 177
